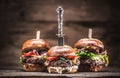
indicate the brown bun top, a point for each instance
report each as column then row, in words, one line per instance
column 87, row 42
column 35, row 43
column 61, row 51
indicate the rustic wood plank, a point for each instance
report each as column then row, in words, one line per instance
column 20, row 73
column 10, row 73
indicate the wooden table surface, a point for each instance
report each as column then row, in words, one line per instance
column 18, row 72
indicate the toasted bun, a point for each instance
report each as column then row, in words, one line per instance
column 61, row 51
column 86, row 42
column 61, row 70
column 33, row 67
column 35, row 43
column 90, row 68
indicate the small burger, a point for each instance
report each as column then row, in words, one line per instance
column 33, row 53
column 62, row 59
column 93, row 55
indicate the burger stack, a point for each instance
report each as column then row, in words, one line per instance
column 62, row 59
column 93, row 55
column 33, row 54
column 88, row 54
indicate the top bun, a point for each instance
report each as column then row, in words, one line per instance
column 87, row 42
column 35, row 43
column 61, row 51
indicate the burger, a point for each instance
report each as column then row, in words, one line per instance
column 62, row 59
column 93, row 55
column 33, row 54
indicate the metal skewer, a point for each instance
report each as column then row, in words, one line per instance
column 60, row 28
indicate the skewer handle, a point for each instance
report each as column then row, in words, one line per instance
column 60, row 20
column 60, row 27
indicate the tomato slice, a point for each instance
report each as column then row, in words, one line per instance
column 70, row 57
column 51, row 58
column 29, row 54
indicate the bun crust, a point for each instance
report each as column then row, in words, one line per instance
column 33, row 67
column 86, row 42
column 35, row 43
column 61, row 51
column 90, row 68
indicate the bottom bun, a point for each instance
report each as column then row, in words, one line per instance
column 33, row 67
column 96, row 68
column 90, row 68
column 61, row 70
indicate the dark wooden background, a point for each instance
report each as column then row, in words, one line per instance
column 20, row 19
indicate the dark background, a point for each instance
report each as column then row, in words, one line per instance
column 20, row 19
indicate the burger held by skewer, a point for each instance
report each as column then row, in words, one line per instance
column 93, row 55
column 33, row 54
column 62, row 59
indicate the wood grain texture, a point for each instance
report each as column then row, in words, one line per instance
column 18, row 72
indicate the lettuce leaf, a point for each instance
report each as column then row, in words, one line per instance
column 93, row 56
column 20, row 60
column 87, row 54
column 106, row 60
column 62, row 58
